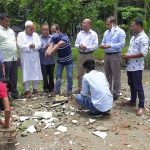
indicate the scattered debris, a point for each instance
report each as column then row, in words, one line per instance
column 101, row 128
column 92, row 120
column 74, row 121
column 31, row 129
column 44, row 115
column 62, row 128
column 23, row 118
column 100, row 134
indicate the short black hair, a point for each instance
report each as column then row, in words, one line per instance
column 3, row 15
column 89, row 64
column 8, row 82
column 139, row 21
column 112, row 19
column 57, row 26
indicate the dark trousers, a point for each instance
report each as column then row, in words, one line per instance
column 136, row 87
column 1, row 71
column 48, row 76
column 11, row 72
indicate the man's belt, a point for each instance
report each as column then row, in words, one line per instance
column 111, row 53
column 85, row 52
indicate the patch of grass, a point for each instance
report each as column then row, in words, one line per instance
column 98, row 54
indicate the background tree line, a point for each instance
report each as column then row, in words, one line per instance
column 69, row 13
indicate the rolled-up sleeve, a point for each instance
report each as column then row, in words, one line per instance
column 144, row 45
column 121, row 41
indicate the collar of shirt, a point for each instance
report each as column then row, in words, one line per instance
column 87, row 32
column 139, row 34
column 45, row 37
column 1, row 27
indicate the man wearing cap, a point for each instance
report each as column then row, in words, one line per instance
column 95, row 94
column 86, row 42
column 8, row 53
column 29, row 43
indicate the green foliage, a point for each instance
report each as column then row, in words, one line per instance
column 130, row 12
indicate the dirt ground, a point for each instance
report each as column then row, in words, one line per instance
column 125, row 130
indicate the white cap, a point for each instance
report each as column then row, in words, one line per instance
column 28, row 23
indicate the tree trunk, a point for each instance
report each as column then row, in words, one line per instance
column 116, row 9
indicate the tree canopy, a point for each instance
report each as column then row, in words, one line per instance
column 70, row 13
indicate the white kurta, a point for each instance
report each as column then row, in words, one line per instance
column 30, row 60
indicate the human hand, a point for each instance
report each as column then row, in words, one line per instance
column 125, row 56
column 105, row 46
column 82, row 47
column 48, row 53
column 32, row 45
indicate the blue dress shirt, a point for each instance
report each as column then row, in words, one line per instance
column 115, row 38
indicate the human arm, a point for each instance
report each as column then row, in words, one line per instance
column 120, row 42
column 143, row 45
column 77, row 42
column 103, row 41
column 129, row 56
column 85, row 87
column 52, row 48
column 94, row 44
column 22, row 43
column 37, row 42
column 7, row 111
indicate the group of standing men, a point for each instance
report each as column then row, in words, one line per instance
column 38, row 63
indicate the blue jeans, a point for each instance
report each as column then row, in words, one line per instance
column 59, row 71
column 86, row 102
column 136, row 87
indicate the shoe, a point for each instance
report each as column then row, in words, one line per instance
column 96, row 114
column 69, row 94
column 78, row 91
column 140, row 111
column 129, row 103
column 46, row 91
column 27, row 94
column 15, row 97
column 35, row 91
column 115, row 97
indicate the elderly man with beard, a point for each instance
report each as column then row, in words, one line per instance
column 29, row 43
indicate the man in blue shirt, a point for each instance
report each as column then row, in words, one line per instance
column 60, row 43
column 112, row 43
column 95, row 94
column 47, row 63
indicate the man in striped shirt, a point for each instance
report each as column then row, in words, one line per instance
column 60, row 43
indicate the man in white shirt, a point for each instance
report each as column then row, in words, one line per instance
column 95, row 94
column 137, row 50
column 8, row 49
column 86, row 42
column 29, row 43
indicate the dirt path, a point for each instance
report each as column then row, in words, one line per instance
column 125, row 130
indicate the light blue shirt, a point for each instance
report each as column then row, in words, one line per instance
column 96, row 84
column 138, row 44
column 88, row 39
column 115, row 38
